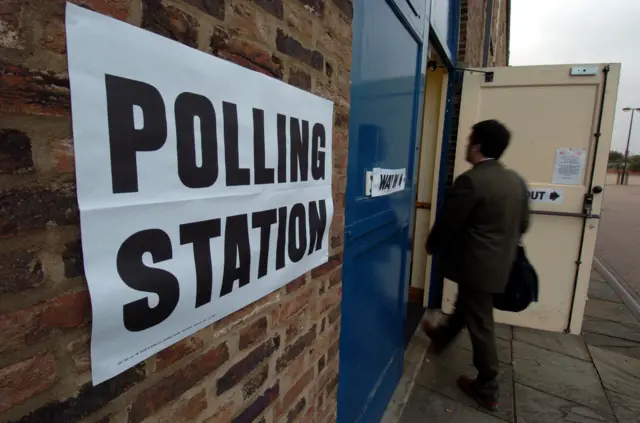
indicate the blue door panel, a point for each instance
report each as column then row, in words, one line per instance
column 387, row 78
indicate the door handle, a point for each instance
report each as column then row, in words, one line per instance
column 597, row 189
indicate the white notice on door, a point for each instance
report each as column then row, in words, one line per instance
column 569, row 166
column 546, row 195
column 387, row 181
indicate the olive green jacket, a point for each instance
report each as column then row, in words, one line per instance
column 477, row 232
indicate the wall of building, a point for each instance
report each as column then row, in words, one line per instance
column 274, row 361
column 470, row 54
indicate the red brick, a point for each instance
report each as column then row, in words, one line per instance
column 248, row 22
column 25, row 379
column 296, row 284
column 28, row 209
column 15, row 152
column 295, row 391
column 33, row 92
column 233, row 319
column 253, row 333
column 118, row 9
column 171, row 387
column 67, row 311
column 20, row 270
column 12, row 33
column 223, row 413
column 290, row 307
column 169, row 22
column 30, row 325
column 178, row 351
column 62, row 155
column 333, row 263
column 247, row 55
column 188, row 409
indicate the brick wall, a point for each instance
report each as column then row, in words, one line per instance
column 470, row 54
column 274, row 361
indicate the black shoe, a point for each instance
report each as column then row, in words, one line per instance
column 465, row 383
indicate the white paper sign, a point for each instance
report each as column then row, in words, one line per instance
column 202, row 186
column 569, row 166
column 387, row 181
column 546, row 195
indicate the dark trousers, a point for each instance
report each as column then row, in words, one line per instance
column 474, row 309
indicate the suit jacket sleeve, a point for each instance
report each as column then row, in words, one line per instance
column 458, row 204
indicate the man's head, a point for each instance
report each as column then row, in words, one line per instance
column 488, row 140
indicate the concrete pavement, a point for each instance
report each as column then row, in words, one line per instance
column 618, row 244
column 545, row 377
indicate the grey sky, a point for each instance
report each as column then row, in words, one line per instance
column 584, row 31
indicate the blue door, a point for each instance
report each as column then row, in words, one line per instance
column 387, row 90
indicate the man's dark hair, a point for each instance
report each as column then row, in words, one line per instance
column 492, row 136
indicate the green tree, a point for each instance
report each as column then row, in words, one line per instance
column 615, row 157
column 634, row 163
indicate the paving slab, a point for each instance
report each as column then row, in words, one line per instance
column 504, row 346
column 600, row 290
column 429, row 406
column 621, row 346
column 607, row 310
column 558, row 374
column 609, row 328
column 626, row 408
column 504, row 331
column 619, row 373
column 440, row 375
column 533, row 406
column 559, row 342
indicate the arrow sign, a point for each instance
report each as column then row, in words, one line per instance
column 546, row 195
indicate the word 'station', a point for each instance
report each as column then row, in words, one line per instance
column 546, row 195
column 387, row 181
column 198, row 194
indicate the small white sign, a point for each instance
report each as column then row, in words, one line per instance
column 387, row 181
column 203, row 186
column 569, row 166
column 546, row 195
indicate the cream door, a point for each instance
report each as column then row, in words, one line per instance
column 555, row 114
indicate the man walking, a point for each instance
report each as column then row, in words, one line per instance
column 477, row 234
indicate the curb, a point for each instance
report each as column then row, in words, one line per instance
column 619, row 289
